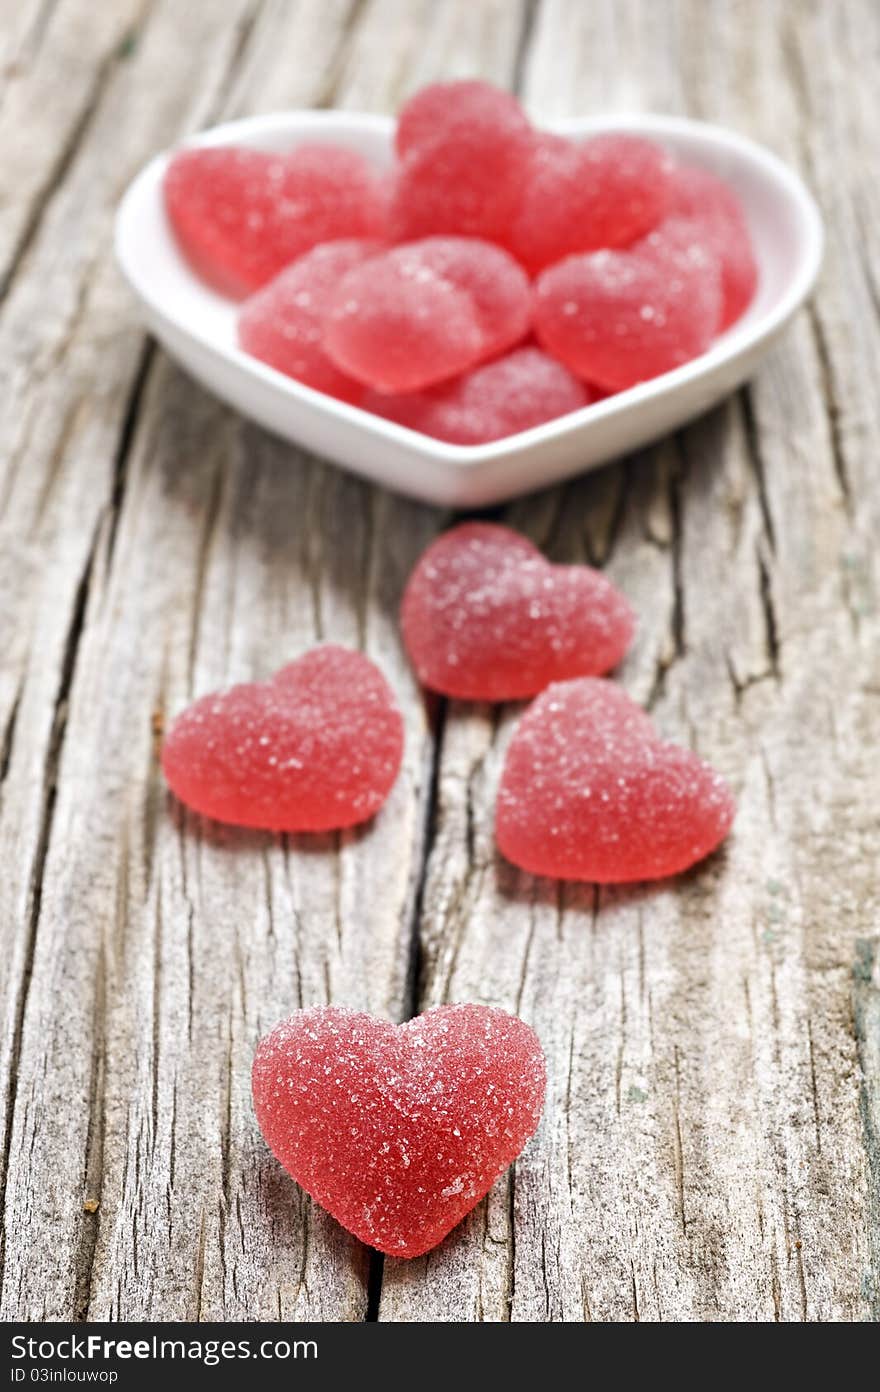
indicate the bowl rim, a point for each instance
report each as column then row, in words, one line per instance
column 735, row 343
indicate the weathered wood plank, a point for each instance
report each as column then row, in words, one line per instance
column 69, row 357
column 401, row 44
column 61, row 487
column 54, row 69
column 217, row 553
column 709, row 1147
column 209, row 937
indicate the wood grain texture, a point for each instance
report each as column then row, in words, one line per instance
column 711, row 1144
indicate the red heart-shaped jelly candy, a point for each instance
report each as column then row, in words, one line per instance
column 282, row 323
column 617, row 318
column 423, row 312
column 398, row 1130
column 240, row 215
column 721, row 230
column 581, row 196
column 486, row 618
column 590, row 792
column 315, row 748
column 499, row 398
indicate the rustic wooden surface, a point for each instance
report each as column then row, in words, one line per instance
column 711, row 1144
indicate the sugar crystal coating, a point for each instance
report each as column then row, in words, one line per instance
column 590, row 792
column 316, row 748
column 282, row 324
column 603, row 192
column 523, row 389
column 469, row 107
column 398, row 1131
column 620, row 317
column 464, row 149
column 486, row 618
column 713, row 208
column 241, row 215
column 678, row 245
column 425, row 312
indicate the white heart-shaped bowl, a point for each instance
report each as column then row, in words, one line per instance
column 197, row 326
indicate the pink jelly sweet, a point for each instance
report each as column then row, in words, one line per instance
column 464, row 149
column 317, row 747
column 486, row 618
column 426, row 311
column 620, row 317
column 590, row 792
column 398, row 1131
column 241, row 215
column 715, row 212
column 282, row 324
column 523, row 389
column 603, row 192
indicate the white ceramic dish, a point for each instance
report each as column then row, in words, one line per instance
column 198, row 327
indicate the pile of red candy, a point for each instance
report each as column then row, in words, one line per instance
column 497, row 278
column 589, row 791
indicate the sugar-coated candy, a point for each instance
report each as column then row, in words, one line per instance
column 522, row 389
column 620, row 317
column 714, row 210
column 318, row 747
column 426, row 311
column 603, row 192
column 464, row 150
column 486, row 618
column 677, row 245
column 282, row 324
column 241, row 215
column 590, row 792
column 467, row 106
column 398, row 1130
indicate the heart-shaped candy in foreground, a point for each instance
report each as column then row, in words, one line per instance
column 590, row 791
column 486, row 618
column 316, row 748
column 398, row 1130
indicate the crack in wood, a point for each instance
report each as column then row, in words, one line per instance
column 206, row 541
column 131, row 415
column 412, row 995
column 92, row 1176
column 374, row 1285
column 771, row 628
column 50, row 785
column 838, row 449
column 676, row 512
column 866, row 1026
column 678, row 1148
column 8, row 737
column 523, row 44
column 814, row 1091
column 510, row 1292
column 756, row 462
